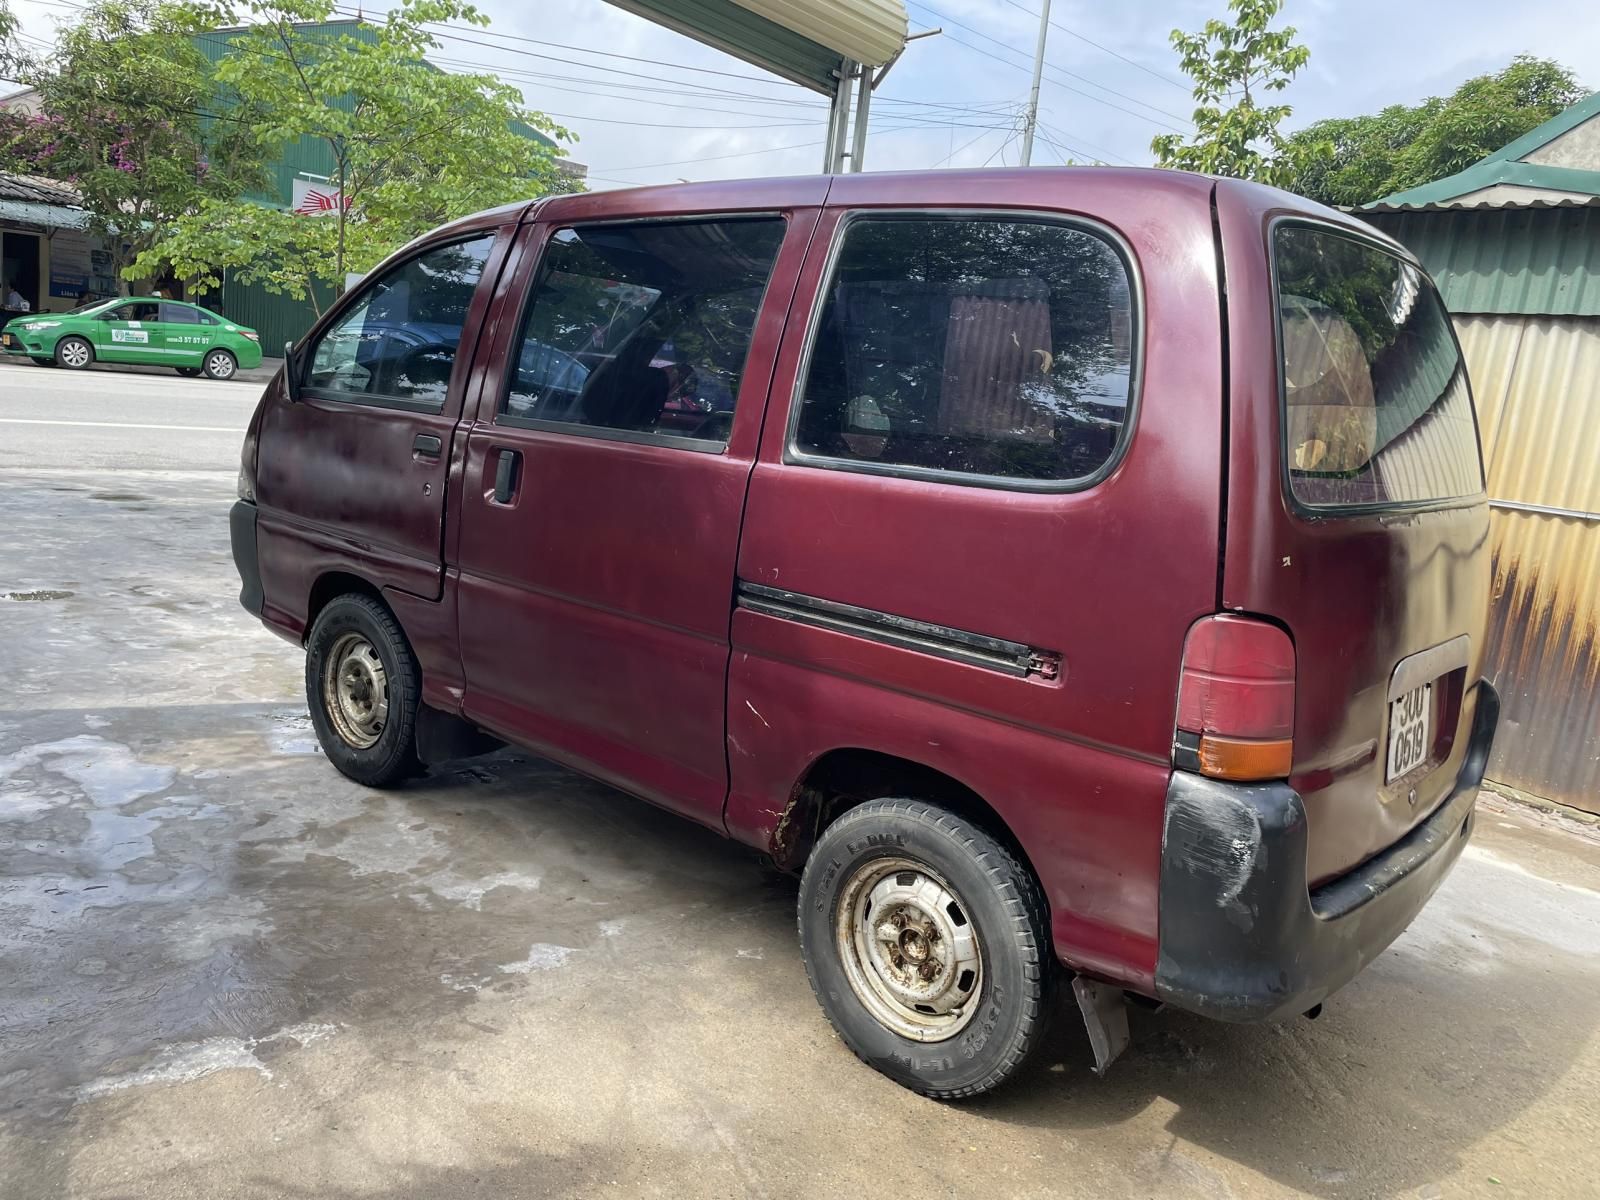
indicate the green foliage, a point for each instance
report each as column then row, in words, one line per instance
column 124, row 102
column 13, row 60
column 286, row 254
column 1403, row 147
column 1233, row 66
column 410, row 146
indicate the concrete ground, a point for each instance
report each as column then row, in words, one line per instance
column 227, row 971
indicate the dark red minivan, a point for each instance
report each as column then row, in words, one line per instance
column 1080, row 575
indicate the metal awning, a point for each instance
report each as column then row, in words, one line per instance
column 829, row 46
column 804, row 41
column 49, row 216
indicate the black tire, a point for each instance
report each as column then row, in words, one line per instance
column 999, row 896
column 188, row 372
column 80, row 352
column 393, row 756
column 220, row 364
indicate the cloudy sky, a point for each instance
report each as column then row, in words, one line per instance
column 649, row 105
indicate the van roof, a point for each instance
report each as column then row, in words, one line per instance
column 1017, row 186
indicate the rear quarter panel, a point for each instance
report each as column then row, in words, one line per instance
column 1111, row 576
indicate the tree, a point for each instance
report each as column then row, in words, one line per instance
column 1403, row 147
column 408, row 145
column 1233, row 66
column 125, row 104
column 13, row 62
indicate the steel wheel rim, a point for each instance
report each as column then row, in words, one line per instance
column 75, row 354
column 910, row 951
column 355, row 691
column 220, row 365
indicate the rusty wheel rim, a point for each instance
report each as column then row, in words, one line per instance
column 910, row 951
column 355, row 691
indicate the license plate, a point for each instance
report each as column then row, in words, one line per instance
column 1410, row 731
column 5, row 340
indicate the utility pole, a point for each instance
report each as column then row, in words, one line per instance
column 1033, row 96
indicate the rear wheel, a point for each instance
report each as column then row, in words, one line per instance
column 927, row 944
column 74, row 353
column 363, row 686
column 220, row 364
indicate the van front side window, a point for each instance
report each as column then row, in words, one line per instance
column 643, row 329
column 399, row 342
column 992, row 347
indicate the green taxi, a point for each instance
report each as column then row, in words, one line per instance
column 137, row 329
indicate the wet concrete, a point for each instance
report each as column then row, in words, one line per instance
column 227, row 971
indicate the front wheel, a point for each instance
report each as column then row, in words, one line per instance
column 220, row 364
column 927, row 944
column 363, row 685
column 74, row 353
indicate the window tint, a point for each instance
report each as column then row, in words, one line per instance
column 144, row 310
column 643, row 328
column 399, row 341
column 1376, row 404
column 990, row 347
column 179, row 314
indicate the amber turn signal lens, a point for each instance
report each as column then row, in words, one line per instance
column 1238, row 759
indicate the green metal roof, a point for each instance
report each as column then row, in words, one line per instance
column 1505, row 165
column 1536, row 261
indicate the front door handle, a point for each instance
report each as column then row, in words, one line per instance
column 505, row 476
column 427, row 445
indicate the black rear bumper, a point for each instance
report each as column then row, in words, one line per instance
column 1243, row 937
column 242, row 532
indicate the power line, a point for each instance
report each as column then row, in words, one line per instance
column 1061, row 139
column 1165, row 78
column 1053, row 67
column 1064, row 87
column 964, row 145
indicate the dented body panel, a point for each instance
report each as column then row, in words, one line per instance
column 708, row 629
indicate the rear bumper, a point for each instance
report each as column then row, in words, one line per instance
column 1243, row 937
column 242, row 532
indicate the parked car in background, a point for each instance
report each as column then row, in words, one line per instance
column 1077, row 575
column 156, row 332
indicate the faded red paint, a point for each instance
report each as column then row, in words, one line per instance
column 588, row 622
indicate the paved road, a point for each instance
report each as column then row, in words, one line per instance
column 113, row 420
column 227, row 971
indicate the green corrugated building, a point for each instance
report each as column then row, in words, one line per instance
column 1514, row 243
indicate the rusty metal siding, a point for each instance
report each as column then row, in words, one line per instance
column 1537, row 384
column 1507, row 260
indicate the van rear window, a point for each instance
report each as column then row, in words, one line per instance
column 1377, row 410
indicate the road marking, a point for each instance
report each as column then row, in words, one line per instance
column 123, row 425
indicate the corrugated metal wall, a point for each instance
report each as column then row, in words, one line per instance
column 1537, row 385
column 1535, row 261
column 278, row 319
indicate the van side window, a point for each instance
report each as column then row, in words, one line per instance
column 642, row 329
column 398, row 343
column 992, row 347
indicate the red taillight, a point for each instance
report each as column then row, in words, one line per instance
column 1236, row 700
